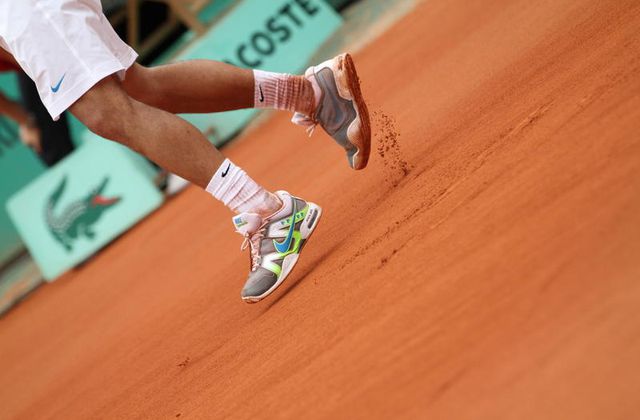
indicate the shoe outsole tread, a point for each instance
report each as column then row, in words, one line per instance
column 363, row 144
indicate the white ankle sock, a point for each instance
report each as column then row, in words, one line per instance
column 285, row 92
column 240, row 193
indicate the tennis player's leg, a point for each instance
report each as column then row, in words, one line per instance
column 275, row 226
column 168, row 140
column 205, row 86
column 328, row 94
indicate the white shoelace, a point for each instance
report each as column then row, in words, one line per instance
column 306, row 121
column 252, row 240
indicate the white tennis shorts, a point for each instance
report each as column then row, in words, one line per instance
column 65, row 46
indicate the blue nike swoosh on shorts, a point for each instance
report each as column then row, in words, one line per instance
column 56, row 88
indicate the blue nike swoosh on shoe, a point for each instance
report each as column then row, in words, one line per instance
column 284, row 246
column 56, row 88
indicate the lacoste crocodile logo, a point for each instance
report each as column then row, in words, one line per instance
column 79, row 217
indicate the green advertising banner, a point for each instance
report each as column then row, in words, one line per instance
column 81, row 204
column 18, row 166
column 274, row 35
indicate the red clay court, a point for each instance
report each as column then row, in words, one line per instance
column 485, row 265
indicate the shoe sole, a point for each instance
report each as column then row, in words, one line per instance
column 292, row 264
column 362, row 138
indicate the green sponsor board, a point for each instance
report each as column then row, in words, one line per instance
column 274, row 35
column 18, row 166
column 84, row 202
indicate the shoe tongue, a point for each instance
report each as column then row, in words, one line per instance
column 287, row 206
column 317, row 90
column 247, row 223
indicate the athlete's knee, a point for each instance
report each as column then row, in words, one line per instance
column 140, row 84
column 106, row 110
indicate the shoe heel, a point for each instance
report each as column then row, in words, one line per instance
column 311, row 221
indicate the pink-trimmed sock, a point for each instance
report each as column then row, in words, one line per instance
column 240, row 193
column 285, row 92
